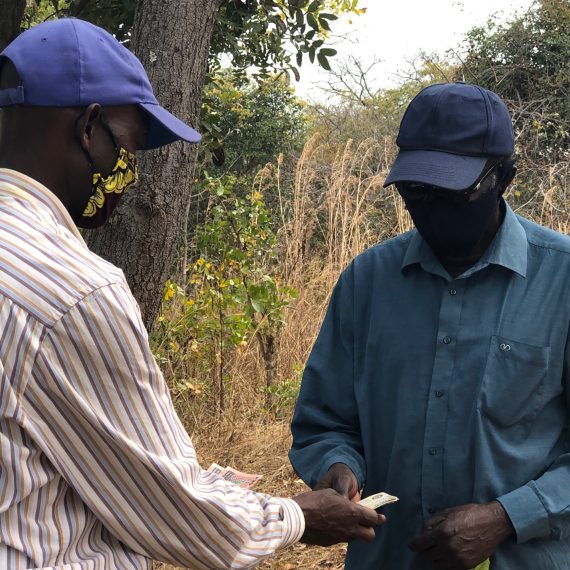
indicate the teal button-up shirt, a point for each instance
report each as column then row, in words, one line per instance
column 448, row 391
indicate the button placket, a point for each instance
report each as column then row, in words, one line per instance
column 433, row 492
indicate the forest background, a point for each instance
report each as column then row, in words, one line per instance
column 284, row 193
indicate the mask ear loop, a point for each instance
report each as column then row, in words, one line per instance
column 89, row 159
column 111, row 135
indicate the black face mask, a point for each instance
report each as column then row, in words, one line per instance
column 453, row 230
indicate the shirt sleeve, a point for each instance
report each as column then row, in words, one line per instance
column 99, row 408
column 325, row 424
column 541, row 508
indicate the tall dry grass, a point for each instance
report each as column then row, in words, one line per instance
column 331, row 208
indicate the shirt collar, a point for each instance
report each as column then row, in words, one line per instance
column 508, row 249
column 26, row 188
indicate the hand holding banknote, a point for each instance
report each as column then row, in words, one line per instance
column 340, row 478
column 332, row 518
column 329, row 516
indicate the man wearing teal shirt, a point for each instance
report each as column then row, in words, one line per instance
column 441, row 371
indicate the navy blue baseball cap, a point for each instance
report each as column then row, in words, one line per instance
column 72, row 63
column 448, row 133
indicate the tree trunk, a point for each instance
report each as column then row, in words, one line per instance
column 11, row 12
column 172, row 39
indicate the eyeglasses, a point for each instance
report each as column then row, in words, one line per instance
column 418, row 191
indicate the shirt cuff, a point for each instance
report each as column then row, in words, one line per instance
column 527, row 513
column 293, row 522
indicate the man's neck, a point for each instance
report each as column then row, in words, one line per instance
column 34, row 170
column 456, row 266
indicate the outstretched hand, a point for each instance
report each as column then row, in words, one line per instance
column 331, row 518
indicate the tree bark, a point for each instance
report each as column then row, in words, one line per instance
column 11, row 12
column 172, row 39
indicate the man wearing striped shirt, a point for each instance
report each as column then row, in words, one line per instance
column 96, row 470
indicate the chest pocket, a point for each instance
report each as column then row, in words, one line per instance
column 514, row 381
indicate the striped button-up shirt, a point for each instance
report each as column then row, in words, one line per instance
column 96, row 470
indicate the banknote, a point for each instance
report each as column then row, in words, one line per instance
column 378, row 500
column 245, row 480
column 215, row 468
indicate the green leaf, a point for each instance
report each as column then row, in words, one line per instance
column 312, row 21
column 330, row 17
column 312, row 53
column 296, row 73
column 328, row 52
column 314, row 6
column 325, row 25
column 323, row 61
column 299, row 59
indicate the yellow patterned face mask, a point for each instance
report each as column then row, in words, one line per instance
column 107, row 191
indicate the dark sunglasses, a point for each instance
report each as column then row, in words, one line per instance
column 418, row 191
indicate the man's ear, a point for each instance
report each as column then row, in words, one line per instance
column 507, row 173
column 85, row 125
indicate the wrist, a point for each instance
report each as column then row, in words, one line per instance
column 502, row 523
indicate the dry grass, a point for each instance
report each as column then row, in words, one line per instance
column 334, row 208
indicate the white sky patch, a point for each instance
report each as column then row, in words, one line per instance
column 396, row 31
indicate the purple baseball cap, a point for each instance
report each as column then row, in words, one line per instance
column 448, row 133
column 72, row 63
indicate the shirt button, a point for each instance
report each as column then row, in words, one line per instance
column 505, row 347
column 453, row 291
column 439, row 393
column 432, row 451
column 446, row 340
column 431, row 511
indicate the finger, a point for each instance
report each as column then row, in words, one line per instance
column 365, row 533
column 369, row 517
column 423, row 542
column 435, row 554
column 435, row 521
column 346, row 486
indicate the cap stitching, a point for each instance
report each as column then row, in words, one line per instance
column 437, row 103
column 489, row 119
column 79, row 63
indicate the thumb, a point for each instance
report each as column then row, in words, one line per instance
column 355, row 498
column 347, row 486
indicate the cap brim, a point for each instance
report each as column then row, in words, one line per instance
column 450, row 171
column 165, row 128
